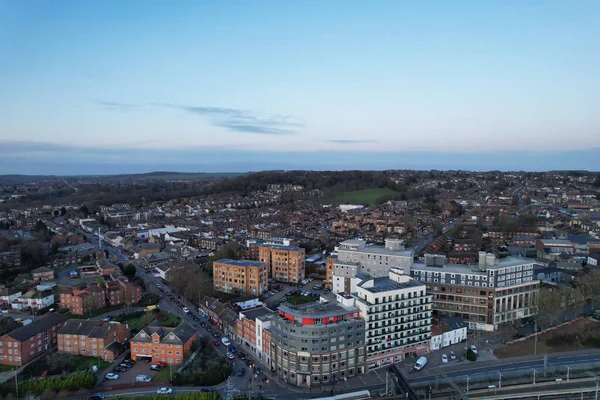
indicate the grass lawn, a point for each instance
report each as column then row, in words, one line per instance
column 6, row 368
column 170, row 320
column 363, row 196
column 164, row 374
column 297, row 300
column 90, row 362
column 139, row 320
column 94, row 313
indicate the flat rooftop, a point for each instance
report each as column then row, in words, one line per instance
column 474, row 268
column 385, row 284
column 240, row 263
column 374, row 249
column 317, row 310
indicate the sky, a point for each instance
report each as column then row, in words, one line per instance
column 91, row 87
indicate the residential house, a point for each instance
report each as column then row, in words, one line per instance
column 8, row 296
column 34, row 299
column 169, row 345
column 28, row 342
column 449, row 331
column 42, row 274
column 93, row 339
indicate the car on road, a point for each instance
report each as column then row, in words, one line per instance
column 112, row 376
column 186, row 310
column 230, row 355
column 241, row 372
column 44, row 375
column 164, row 390
column 444, row 359
column 257, row 370
column 452, row 355
column 473, row 349
column 231, row 348
column 217, row 343
column 225, row 341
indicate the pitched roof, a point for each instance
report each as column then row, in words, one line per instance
column 89, row 328
column 37, row 326
column 178, row 335
column 40, row 270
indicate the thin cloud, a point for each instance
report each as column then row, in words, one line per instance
column 351, row 141
column 232, row 119
column 239, row 120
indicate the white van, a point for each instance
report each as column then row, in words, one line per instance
column 421, row 362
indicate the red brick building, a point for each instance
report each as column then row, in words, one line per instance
column 169, row 345
column 119, row 292
column 28, row 342
column 80, row 302
column 93, row 339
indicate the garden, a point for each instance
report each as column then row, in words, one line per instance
column 208, row 368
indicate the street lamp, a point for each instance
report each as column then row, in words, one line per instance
column 499, row 380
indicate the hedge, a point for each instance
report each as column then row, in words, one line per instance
column 83, row 380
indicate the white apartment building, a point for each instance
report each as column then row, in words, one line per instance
column 357, row 257
column 397, row 314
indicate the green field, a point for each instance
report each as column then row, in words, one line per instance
column 365, row 196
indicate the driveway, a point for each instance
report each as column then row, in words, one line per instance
column 139, row 368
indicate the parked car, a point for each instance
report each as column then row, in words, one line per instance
column 452, row 355
column 421, row 362
column 473, row 349
column 217, row 343
column 112, row 376
column 230, row 355
column 257, row 370
column 241, row 372
column 225, row 341
column 155, row 367
column 186, row 310
column 164, row 390
column 142, row 378
column 44, row 375
column 161, row 364
column 231, row 348
column 119, row 369
column 444, row 359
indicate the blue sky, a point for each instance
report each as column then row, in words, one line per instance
column 137, row 86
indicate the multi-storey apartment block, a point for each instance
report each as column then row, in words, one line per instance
column 169, row 345
column 28, row 342
column 356, row 257
column 80, row 302
column 484, row 295
column 240, row 276
column 284, row 263
column 121, row 292
column 92, row 339
column 317, row 343
column 397, row 314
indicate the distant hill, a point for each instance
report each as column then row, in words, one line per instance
column 157, row 175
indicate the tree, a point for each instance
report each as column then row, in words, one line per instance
column 63, row 211
column 129, row 270
column 548, row 305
